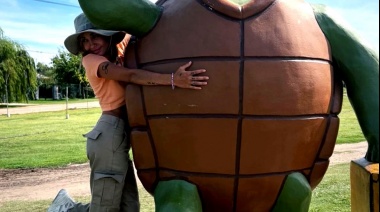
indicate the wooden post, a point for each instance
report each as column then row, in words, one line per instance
column 364, row 186
column 67, row 103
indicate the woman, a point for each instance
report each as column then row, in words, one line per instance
column 112, row 179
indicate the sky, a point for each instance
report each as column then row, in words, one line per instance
column 41, row 26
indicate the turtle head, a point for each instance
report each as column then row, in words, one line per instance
column 136, row 17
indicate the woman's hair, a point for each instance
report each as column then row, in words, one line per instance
column 112, row 49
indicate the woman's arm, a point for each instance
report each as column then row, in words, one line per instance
column 181, row 78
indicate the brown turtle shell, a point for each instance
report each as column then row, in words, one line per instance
column 269, row 109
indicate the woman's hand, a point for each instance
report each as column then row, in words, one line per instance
column 188, row 79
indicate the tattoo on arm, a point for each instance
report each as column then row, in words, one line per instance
column 105, row 68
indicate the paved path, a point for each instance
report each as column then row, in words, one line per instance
column 22, row 109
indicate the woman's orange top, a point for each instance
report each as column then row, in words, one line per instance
column 111, row 93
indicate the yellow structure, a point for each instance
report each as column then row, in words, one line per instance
column 364, row 186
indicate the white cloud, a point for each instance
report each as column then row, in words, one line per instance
column 40, row 27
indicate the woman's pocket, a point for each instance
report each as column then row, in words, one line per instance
column 92, row 137
column 107, row 188
column 119, row 142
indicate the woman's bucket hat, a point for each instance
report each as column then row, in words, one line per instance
column 82, row 24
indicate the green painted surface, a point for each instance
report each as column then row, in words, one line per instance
column 295, row 195
column 177, row 195
column 240, row 2
column 136, row 17
column 359, row 67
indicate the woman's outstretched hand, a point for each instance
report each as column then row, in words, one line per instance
column 189, row 79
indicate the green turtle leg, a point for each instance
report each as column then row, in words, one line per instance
column 295, row 195
column 177, row 196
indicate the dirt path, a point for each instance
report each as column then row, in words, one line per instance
column 22, row 108
column 42, row 184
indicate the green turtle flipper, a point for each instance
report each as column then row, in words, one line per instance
column 136, row 17
column 177, row 195
column 359, row 67
column 295, row 196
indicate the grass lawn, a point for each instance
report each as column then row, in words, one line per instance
column 45, row 139
column 349, row 131
column 146, row 203
column 50, row 140
column 331, row 195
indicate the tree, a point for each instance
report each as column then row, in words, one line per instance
column 45, row 80
column 45, row 74
column 17, row 71
column 27, row 75
column 68, row 70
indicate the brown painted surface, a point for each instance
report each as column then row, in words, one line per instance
column 210, row 188
column 329, row 144
column 180, row 101
column 281, row 80
column 319, row 170
column 257, row 193
column 269, row 109
column 298, row 139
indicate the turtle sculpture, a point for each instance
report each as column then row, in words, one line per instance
column 259, row 136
